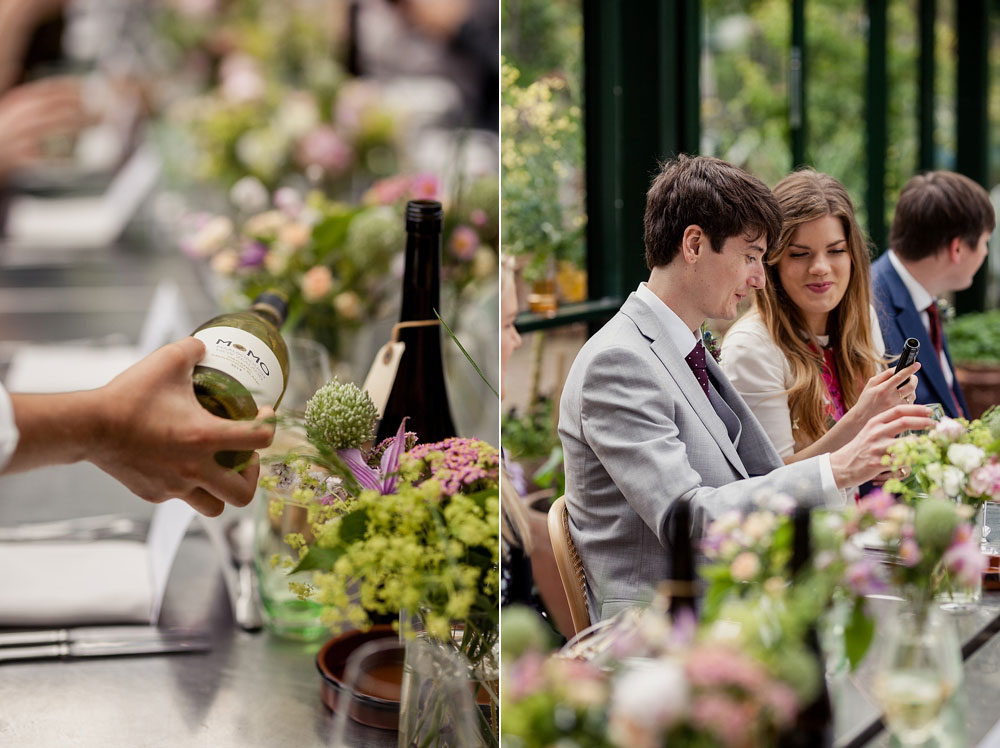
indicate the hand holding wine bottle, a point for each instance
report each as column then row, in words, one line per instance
column 161, row 443
column 147, row 429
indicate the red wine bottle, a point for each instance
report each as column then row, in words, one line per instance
column 682, row 564
column 813, row 727
column 418, row 392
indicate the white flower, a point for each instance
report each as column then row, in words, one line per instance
column 347, row 304
column 935, row 472
column 652, row 695
column 241, row 79
column 297, row 115
column 952, row 481
column 758, row 525
column 263, row 151
column 249, row 195
column 212, row 236
column 966, row 456
column 949, row 428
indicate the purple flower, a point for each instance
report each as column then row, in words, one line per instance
column 253, row 254
column 384, row 479
column 863, row 577
column 877, row 502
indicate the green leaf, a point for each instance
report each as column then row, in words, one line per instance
column 858, row 634
column 318, row 558
column 466, row 354
column 353, row 526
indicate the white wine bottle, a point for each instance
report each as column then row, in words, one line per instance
column 245, row 365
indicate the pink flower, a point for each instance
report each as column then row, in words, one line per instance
column 316, row 283
column 388, row 191
column 240, row 79
column 964, row 561
column 949, row 428
column 323, row 147
column 782, row 701
column 985, row 481
column 525, row 677
column 863, row 577
column 478, row 217
column 877, row 502
column 288, row 201
column 909, row 552
column 464, row 242
column 714, row 667
column 745, row 567
column 726, row 718
column 425, row 187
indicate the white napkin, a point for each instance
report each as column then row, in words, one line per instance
column 106, row 581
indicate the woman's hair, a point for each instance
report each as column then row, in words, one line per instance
column 804, row 196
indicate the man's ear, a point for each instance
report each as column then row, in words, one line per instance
column 692, row 242
column 954, row 249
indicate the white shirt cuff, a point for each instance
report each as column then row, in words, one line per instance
column 8, row 429
column 833, row 495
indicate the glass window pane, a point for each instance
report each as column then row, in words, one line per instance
column 836, row 69
column 945, row 73
column 542, row 149
column 744, row 85
column 903, row 63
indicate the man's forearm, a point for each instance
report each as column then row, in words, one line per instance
column 55, row 429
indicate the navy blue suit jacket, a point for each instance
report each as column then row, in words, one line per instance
column 899, row 320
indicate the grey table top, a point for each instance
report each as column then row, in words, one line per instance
column 251, row 689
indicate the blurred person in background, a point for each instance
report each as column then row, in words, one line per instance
column 939, row 238
column 809, row 358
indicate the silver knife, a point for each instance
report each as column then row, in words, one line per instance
column 103, row 634
column 103, row 649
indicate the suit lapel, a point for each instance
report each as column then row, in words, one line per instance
column 909, row 324
column 678, row 369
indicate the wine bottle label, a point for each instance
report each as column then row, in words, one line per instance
column 246, row 358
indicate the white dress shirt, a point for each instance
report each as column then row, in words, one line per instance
column 686, row 339
column 8, row 429
column 921, row 300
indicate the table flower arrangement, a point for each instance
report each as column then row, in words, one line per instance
column 400, row 529
column 340, row 264
column 333, row 261
column 662, row 683
column 271, row 101
column 957, row 460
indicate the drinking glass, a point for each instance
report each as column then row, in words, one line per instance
column 308, row 370
column 918, row 669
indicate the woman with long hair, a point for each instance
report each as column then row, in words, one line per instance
column 809, row 358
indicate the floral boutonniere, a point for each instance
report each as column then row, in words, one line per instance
column 711, row 343
column 946, row 310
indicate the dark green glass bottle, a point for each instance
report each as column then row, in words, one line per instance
column 245, row 365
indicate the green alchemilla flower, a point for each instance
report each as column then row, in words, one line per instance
column 340, row 416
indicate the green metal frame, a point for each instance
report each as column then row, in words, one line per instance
column 972, row 157
column 642, row 105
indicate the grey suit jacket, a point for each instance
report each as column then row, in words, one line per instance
column 638, row 433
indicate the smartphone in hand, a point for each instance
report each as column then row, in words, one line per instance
column 910, row 350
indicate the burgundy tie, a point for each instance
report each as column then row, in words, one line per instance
column 696, row 360
column 937, row 340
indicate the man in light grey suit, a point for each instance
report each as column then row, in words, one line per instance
column 647, row 418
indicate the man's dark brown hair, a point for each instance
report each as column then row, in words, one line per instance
column 936, row 207
column 722, row 199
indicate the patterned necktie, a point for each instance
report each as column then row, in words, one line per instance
column 937, row 340
column 696, row 360
column 934, row 317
